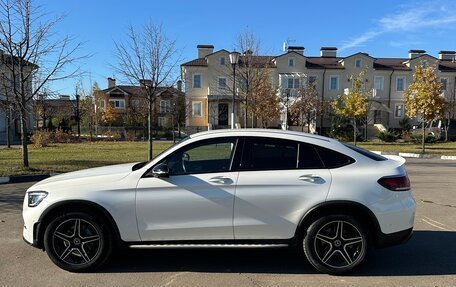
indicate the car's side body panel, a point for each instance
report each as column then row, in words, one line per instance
column 186, row 207
column 270, row 204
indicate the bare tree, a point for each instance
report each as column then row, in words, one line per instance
column 147, row 57
column 304, row 109
column 253, row 70
column 32, row 55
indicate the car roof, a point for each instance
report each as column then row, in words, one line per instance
column 260, row 132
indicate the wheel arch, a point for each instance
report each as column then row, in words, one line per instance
column 355, row 209
column 73, row 205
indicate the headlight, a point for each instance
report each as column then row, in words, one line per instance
column 35, row 197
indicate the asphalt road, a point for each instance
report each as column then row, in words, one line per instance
column 428, row 259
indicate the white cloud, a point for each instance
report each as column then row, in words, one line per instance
column 412, row 18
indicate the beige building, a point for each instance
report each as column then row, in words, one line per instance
column 207, row 81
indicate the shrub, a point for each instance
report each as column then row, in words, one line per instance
column 41, row 138
column 387, row 136
column 418, row 137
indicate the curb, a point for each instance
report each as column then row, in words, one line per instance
column 23, row 178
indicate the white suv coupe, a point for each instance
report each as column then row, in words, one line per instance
column 228, row 188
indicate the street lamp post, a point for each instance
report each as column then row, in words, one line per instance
column 234, row 57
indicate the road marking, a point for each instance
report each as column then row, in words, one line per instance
column 442, row 228
column 438, row 223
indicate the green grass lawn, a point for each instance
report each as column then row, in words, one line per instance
column 444, row 148
column 69, row 157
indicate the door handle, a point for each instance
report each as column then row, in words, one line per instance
column 221, row 180
column 312, row 178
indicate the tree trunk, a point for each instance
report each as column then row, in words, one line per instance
column 8, row 126
column 23, row 115
column 423, row 139
column 149, row 128
column 354, row 131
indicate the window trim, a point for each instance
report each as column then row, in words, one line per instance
column 218, row 83
column 395, row 109
column 383, row 82
column 447, row 83
column 193, row 82
column 337, row 83
column 404, row 84
column 193, row 109
column 117, row 100
column 293, row 59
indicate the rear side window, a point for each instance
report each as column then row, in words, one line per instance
column 366, row 153
column 270, row 154
column 333, row 159
column 308, row 157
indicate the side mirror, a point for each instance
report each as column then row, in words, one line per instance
column 160, row 170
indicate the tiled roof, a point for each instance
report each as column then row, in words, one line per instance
column 136, row 90
column 257, row 61
column 333, row 63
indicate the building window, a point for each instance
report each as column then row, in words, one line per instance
column 312, row 80
column 102, row 104
column 135, row 103
column 165, row 106
column 197, row 109
column 378, row 83
column 334, row 83
column 196, row 81
column 118, row 104
column 293, row 83
column 358, row 63
column 222, row 83
column 444, row 82
column 399, row 111
column 161, row 121
column 290, row 83
column 400, row 84
column 222, row 61
column 291, row 62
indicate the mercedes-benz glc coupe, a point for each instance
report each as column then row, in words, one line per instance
column 228, row 188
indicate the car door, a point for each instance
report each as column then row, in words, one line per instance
column 196, row 201
column 279, row 179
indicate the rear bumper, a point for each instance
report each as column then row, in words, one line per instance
column 396, row 238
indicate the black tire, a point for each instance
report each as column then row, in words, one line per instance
column 77, row 241
column 335, row 244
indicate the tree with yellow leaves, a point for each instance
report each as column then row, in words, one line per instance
column 353, row 104
column 108, row 116
column 423, row 98
column 304, row 109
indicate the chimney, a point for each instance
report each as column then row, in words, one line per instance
column 179, row 85
column 297, row 49
column 447, row 55
column 145, row 83
column 416, row 53
column 204, row 50
column 328, row 52
column 111, row 83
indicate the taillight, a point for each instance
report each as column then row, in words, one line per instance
column 395, row 183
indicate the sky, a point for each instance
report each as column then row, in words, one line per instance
column 385, row 28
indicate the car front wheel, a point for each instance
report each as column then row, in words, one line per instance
column 335, row 244
column 77, row 241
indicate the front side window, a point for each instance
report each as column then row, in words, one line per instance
column 197, row 110
column 270, row 154
column 197, row 81
column 207, row 156
column 333, row 83
column 400, row 84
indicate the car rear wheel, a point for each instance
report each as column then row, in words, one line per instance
column 335, row 244
column 77, row 241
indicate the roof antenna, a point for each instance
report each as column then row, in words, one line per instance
column 286, row 44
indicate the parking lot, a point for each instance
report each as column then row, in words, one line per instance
column 428, row 259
